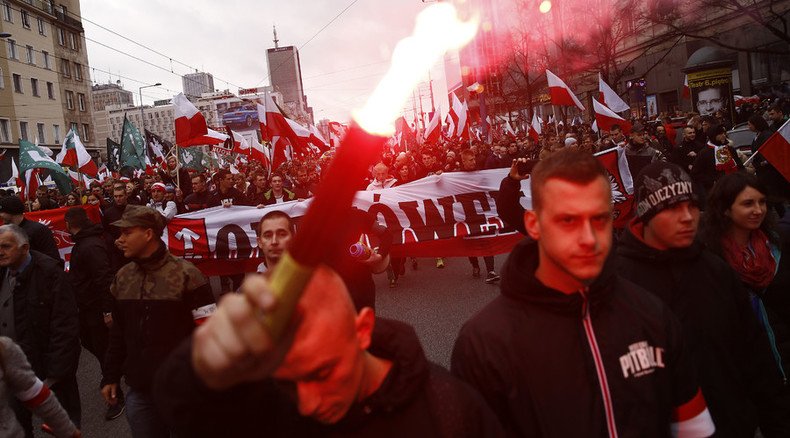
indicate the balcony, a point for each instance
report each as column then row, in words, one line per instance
column 68, row 21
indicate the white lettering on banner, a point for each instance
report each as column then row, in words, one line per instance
column 452, row 205
column 668, row 191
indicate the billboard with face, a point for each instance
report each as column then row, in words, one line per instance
column 711, row 92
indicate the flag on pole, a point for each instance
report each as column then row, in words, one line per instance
column 74, row 155
column 31, row 157
column 686, row 89
column 336, row 133
column 132, row 147
column 509, row 130
column 191, row 158
column 610, row 98
column 113, row 156
column 561, row 94
column 722, row 158
column 535, row 129
column 190, row 124
column 158, row 148
column 606, row 118
column 776, row 150
column 433, row 130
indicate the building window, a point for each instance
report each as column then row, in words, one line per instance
column 70, row 100
column 56, row 133
column 34, row 86
column 42, row 26
column 2, row 80
column 65, row 68
column 61, row 36
column 5, row 131
column 17, row 83
column 78, row 71
column 51, row 90
column 12, row 49
column 41, row 137
column 72, row 41
column 86, row 132
column 23, row 130
column 7, row 14
column 75, row 127
column 30, row 55
column 45, row 56
column 81, row 101
column 25, row 19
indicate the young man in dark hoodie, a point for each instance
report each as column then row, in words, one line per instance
column 570, row 348
column 658, row 251
column 91, row 274
column 345, row 373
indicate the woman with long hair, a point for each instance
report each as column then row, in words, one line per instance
column 738, row 228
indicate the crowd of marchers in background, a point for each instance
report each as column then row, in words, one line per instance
column 678, row 324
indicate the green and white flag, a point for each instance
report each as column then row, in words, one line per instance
column 191, row 158
column 31, row 157
column 132, row 146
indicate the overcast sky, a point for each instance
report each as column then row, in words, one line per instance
column 229, row 38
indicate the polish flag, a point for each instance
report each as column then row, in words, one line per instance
column 317, row 139
column 465, row 130
column 336, row 133
column 776, row 150
column 458, row 114
column 686, row 89
column 535, row 129
column 281, row 152
column 610, row 98
column 433, row 130
column 561, row 94
column 74, row 155
column 259, row 153
column 606, row 118
column 15, row 178
column 450, row 124
column 32, row 181
column 75, row 179
column 240, row 144
column 190, row 123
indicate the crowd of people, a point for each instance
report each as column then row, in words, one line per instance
column 677, row 324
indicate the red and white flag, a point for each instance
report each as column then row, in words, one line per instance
column 776, row 150
column 433, row 130
column 535, row 129
column 190, row 124
column 337, row 131
column 686, row 89
column 621, row 183
column 458, row 114
column 610, row 98
column 606, row 118
column 74, row 155
column 240, row 144
column 508, row 130
column 561, row 94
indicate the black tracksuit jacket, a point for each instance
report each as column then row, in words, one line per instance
column 539, row 356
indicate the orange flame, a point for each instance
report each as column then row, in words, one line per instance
column 437, row 30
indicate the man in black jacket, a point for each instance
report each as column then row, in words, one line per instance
column 40, row 237
column 345, row 374
column 38, row 311
column 158, row 301
column 658, row 251
column 570, row 348
column 91, row 274
column 111, row 214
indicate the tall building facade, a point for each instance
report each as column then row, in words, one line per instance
column 195, row 84
column 110, row 94
column 285, row 73
column 44, row 83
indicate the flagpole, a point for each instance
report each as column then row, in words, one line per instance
column 178, row 168
column 556, row 125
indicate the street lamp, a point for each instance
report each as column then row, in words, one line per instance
column 142, row 114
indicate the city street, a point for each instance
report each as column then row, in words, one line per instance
column 435, row 301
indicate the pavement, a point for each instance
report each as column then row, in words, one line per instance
column 436, row 302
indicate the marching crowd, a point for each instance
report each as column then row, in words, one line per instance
column 678, row 324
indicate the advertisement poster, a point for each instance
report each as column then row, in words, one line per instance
column 652, row 106
column 711, row 92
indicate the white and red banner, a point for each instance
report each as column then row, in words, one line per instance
column 561, row 93
column 610, row 98
column 451, row 215
column 54, row 220
column 605, row 118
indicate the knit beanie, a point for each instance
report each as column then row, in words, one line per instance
column 660, row 186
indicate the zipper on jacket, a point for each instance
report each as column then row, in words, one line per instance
column 599, row 369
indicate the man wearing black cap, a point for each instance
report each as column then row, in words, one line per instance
column 638, row 152
column 40, row 236
column 659, row 252
column 159, row 300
